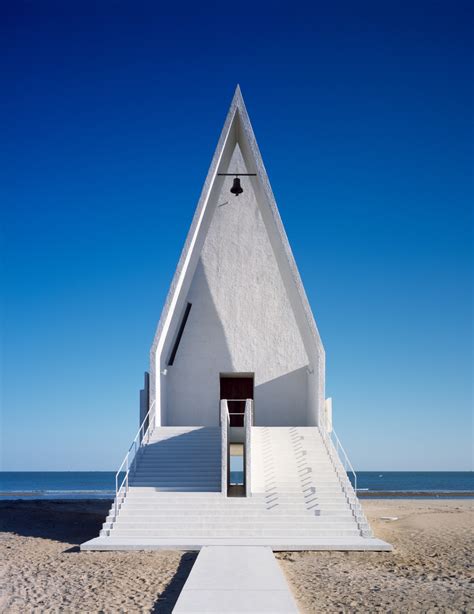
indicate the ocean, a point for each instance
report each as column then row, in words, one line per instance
column 101, row 484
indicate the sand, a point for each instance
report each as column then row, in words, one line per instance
column 42, row 569
column 430, row 569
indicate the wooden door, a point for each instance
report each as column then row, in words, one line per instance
column 240, row 388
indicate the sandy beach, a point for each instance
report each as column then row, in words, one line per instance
column 430, row 569
column 42, row 569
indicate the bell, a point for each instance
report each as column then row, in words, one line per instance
column 236, row 187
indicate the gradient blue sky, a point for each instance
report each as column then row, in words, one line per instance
column 111, row 113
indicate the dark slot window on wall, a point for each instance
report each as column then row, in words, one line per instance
column 179, row 335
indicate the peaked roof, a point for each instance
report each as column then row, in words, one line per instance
column 238, row 129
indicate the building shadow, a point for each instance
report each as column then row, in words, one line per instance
column 282, row 401
column 168, row 598
column 164, row 450
column 192, row 381
column 71, row 522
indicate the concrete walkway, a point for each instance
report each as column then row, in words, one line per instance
column 235, row 579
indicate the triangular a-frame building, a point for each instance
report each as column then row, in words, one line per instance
column 236, row 442
column 248, row 308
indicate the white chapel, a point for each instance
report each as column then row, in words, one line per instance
column 236, row 444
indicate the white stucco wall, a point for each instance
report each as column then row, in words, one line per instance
column 240, row 321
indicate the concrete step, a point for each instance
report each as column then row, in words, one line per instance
column 167, row 512
column 180, row 470
column 215, row 525
column 185, row 475
column 184, row 470
column 180, row 452
column 232, row 511
column 147, row 491
column 289, row 520
column 190, row 488
column 357, row 543
column 209, row 466
column 229, row 512
column 179, row 441
column 196, row 436
column 267, row 532
column 296, row 487
column 183, row 440
column 288, row 496
column 160, row 485
column 170, row 481
column 182, row 461
column 144, row 490
column 230, row 518
column 152, row 503
column 154, row 497
column 189, row 476
column 171, row 431
column 173, row 473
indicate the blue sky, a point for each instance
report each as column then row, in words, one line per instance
column 111, row 113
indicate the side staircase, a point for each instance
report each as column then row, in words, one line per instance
column 301, row 496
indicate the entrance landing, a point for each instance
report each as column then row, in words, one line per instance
column 235, row 579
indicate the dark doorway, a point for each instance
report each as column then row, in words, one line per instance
column 236, row 389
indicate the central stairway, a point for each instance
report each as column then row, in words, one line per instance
column 299, row 497
column 180, row 460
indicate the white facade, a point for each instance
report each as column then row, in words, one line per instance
column 249, row 313
column 236, row 322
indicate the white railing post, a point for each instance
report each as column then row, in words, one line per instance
column 126, row 475
column 224, row 417
column 248, row 423
column 116, row 490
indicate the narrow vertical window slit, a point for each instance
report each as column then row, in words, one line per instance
column 179, row 335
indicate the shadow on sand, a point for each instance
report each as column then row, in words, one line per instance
column 74, row 522
column 71, row 522
column 167, row 600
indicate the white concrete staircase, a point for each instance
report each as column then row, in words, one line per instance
column 292, row 467
column 298, row 499
column 180, row 459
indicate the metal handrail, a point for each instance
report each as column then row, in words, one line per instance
column 333, row 450
column 349, row 466
column 357, row 510
column 142, row 437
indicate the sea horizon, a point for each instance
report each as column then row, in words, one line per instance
column 70, row 484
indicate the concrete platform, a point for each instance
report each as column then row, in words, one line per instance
column 235, row 579
column 330, row 543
